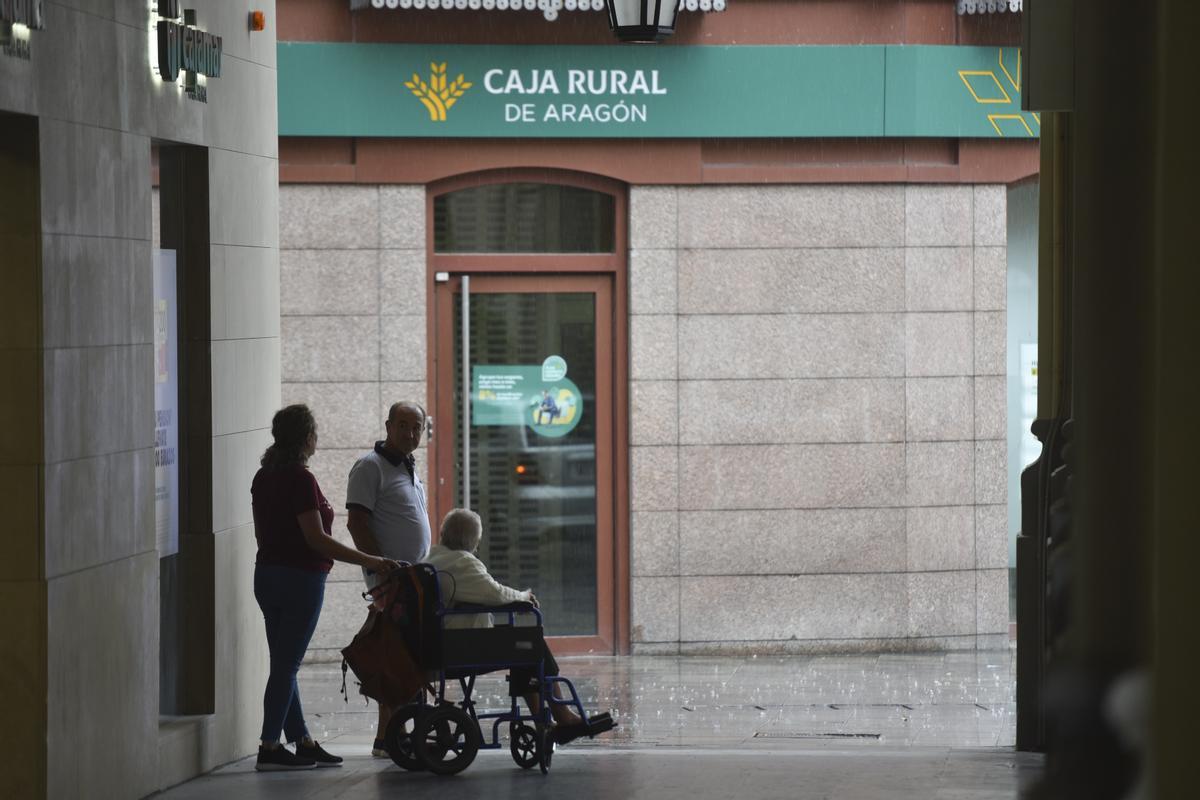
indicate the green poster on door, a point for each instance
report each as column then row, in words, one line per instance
column 539, row 396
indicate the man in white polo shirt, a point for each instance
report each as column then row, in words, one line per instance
column 386, row 503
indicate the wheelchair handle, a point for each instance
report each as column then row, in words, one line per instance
column 385, row 579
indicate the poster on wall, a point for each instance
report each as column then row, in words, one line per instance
column 540, row 397
column 166, row 405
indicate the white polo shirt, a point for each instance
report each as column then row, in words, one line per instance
column 395, row 498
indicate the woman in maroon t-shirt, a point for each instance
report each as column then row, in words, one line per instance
column 293, row 523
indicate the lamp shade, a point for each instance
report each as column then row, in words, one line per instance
column 642, row 20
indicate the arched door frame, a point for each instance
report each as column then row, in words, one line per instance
column 615, row 266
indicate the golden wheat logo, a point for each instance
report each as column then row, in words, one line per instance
column 436, row 96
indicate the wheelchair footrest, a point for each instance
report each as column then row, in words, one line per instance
column 595, row 725
column 599, row 723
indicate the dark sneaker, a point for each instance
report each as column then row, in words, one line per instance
column 318, row 754
column 379, row 749
column 596, row 724
column 562, row 734
column 281, row 758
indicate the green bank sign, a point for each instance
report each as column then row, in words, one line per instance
column 394, row 90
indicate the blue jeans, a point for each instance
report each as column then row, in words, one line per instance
column 290, row 600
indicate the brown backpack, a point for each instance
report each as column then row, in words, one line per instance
column 386, row 651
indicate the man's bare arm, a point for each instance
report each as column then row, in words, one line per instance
column 360, row 531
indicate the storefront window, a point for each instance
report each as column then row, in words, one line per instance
column 534, row 484
column 523, row 218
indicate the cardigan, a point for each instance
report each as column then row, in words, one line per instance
column 469, row 582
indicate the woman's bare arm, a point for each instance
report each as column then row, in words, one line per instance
column 316, row 538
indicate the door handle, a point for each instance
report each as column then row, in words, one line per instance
column 466, row 391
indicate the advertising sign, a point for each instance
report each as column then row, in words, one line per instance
column 540, row 397
column 180, row 51
column 399, row 90
column 17, row 19
column 166, row 405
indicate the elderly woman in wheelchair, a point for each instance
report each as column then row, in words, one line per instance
column 445, row 737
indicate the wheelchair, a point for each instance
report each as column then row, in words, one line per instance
column 444, row 737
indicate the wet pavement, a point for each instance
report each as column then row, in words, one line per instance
column 961, row 699
column 933, row 725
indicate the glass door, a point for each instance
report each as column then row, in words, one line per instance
column 531, row 449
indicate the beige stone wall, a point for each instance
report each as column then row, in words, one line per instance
column 817, row 403
column 85, row 595
column 817, row 418
column 352, row 301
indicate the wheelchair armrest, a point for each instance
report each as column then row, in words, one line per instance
column 473, row 608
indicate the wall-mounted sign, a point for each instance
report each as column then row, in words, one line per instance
column 17, row 19
column 729, row 91
column 541, row 398
column 183, row 48
column 166, row 405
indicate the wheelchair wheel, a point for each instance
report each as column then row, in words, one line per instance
column 446, row 740
column 523, row 744
column 399, row 736
column 545, row 747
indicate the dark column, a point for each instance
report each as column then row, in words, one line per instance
column 1175, row 594
column 1119, row 696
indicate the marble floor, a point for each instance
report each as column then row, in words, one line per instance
column 931, row 725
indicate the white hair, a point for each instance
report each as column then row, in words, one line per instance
column 461, row 529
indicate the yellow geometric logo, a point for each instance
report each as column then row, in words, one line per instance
column 987, row 89
column 977, row 84
column 436, row 96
